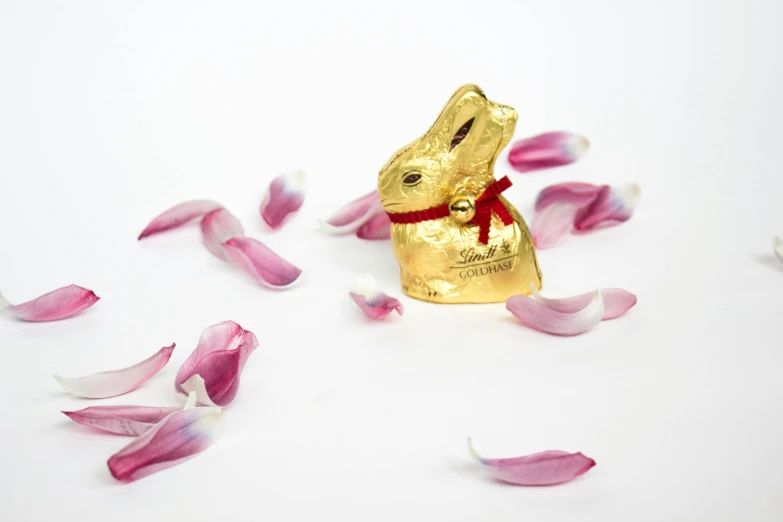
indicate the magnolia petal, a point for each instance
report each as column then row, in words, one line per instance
column 196, row 387
column 260, row 263
column 122, row 420
column 179, row 215
column 777, row 247
column 539, row 316
column 539, row 469
column 551, row 149
column 576, row 193
column 284, row 197
column 378, row 227
column 552, row 225
column 179, row 436
column 219, row 359
column 353, row 215
column 374, row 303
column 217, row 227
column 58, row 304
column 117, row 382
column 616, row 302
column 612, row 206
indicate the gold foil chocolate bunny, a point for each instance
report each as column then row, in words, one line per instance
column 457, row 240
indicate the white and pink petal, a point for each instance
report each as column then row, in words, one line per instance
column 262, row 264
column 616, row 302
column 551, row 149
column 553, row 224
column 217, row 227
column 353, row 215
column 374, row 303
column 536, row 315
column 284, row 198
column 612, row 206
column 377, row 227
column 55, row 305
column 122, row 420
column 576, row 193
column 178, row 215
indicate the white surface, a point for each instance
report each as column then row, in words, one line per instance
column 112, row 112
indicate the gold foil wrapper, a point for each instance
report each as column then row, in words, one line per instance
column 442, row 260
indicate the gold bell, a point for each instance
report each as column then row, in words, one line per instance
column 462, row 208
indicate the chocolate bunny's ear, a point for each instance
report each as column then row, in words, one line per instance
column 457, row 117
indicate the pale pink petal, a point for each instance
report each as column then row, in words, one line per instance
column 553, row 224
column 260, row 263
column 539, row 316
column 612, row 206
column 179, row 436
column 116, row 382
column 122, row 420
column 552, row 149
column 217, row 227
column 378, row 227
column 374, row 303
column 57, row 304
column 540, row 469
column 219, row 359
column 353, row 215
column 616, row 302
column 576, row 193
column 285, row 197
column 179, row 215
column 777, row 247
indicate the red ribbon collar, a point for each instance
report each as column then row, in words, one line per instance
column 486, row 204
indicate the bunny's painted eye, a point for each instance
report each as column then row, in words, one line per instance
column 461, row 133
column 412, row 178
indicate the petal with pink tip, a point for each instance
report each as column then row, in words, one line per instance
column 179, row 436
column 777, row 248
column 219, row 359
column 217, row 227
column 539, row 316
column 260, row 263
column 353, row 215
column 616, row 302
column 553, row 224
column 551, row 149
column 122, row 420
column 374, row 303
column 612, row 206
column 58, row 304
column 539, row 469
column 576, row 193
column 285, row 197
column 378, row 227
column 117, row 382
column 179, row 215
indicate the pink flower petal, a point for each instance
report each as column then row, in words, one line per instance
column 57, row 304
column 374, row 303
column 179, row 436
column 612, row 206
column 552, row 225
column 260, row 263
column 196, row 387
column 777, row 248
column 353, row 215
column 179, row 215
column 616, row 302
column 117, row 382
column 539, row 316
column 540, row 469
column 576, row 193
column 122, row 420
column 219, row 359
column 378, row 227
column 552, row 149
column 217, row 227
column 285, row 197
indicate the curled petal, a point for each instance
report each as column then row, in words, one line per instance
column 217, row 227
column 57, row 304
column 179, row 436
column 576, row 193
column 219, row 359
column 552, row 149
column 353, row 215
column 179, row 215
column 540, row 469
column 284, row 197
column 260, row 263
column 196, row 387
column 616, row 302
column 117, row 382
column 539, row 316
column 378, row 227
column 612, row 206
column 122, row 420
column 374, row 303
column 552, row 225
column 777, row 247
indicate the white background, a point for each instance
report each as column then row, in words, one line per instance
column 111, row 112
